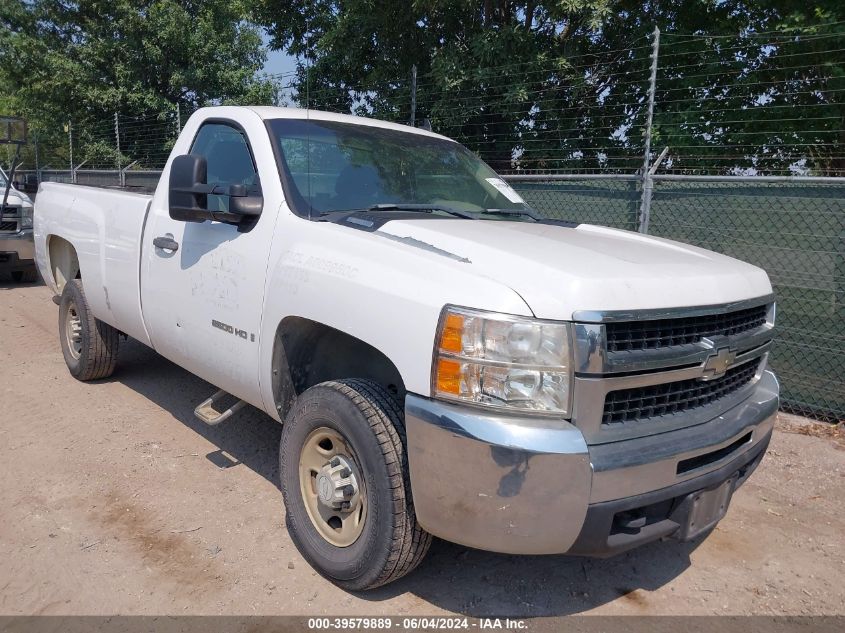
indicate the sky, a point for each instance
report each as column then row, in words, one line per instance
column 278, row 61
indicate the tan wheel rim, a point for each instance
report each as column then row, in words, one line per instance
column 332, row 487
column 73, row 330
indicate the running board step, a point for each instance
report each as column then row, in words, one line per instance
column 207, row 410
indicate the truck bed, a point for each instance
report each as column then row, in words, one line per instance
column 105, row 227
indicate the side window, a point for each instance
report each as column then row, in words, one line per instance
column 229, row 159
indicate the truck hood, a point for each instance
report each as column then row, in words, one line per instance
column 16, row 199
column 558, row 270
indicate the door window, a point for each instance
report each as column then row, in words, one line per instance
column 229, row 159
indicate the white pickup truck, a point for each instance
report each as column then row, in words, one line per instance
column 17, row 254
column 445, row 360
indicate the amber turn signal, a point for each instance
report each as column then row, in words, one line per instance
column 448, row 376
column 451, row 339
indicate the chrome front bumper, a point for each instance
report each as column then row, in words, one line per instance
column 20, row 244
column 527, row 485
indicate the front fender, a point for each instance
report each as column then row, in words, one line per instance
column 384, row 292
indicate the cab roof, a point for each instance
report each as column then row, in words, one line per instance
column 272, row 112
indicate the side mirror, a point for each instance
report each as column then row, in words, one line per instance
column 188, row 195
column 244, row 201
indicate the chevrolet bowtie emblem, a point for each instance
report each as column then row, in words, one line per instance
column 718, row 362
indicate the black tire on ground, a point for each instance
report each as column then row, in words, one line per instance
column 25, row 276
column 371, row 423
column 89, row 348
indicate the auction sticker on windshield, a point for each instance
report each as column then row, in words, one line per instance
column 506, row 190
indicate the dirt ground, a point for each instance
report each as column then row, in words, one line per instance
column 114, row 499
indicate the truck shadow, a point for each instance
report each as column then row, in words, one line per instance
column 452, row 577
column 7, row 283
column 482, row 584
column 251, row 440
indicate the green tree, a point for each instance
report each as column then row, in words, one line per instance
column 752, row 86
column 359, row 55
column 83, row 60
column 562, row 84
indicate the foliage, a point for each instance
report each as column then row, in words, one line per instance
column 360, row 54
column 83, row 60
column 762, row 94
column 562, row 84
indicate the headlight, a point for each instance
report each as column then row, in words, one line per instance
column 502, row 361
column 26, row 217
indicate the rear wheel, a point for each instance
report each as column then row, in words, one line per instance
column 88, row 345
column 346, row 487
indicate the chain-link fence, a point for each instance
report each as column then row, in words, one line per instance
column 792, row 228
column 606, row 199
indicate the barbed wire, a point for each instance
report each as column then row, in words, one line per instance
column 589, row 107
column 752, row 34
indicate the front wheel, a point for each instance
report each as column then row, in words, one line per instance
column 346, row 486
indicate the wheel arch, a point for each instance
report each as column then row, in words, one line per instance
column 307, row 352
column 63, row 261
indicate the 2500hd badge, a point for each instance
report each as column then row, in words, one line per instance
column 232, row 330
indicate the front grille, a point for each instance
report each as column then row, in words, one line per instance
column 9, row 226
column 639, row 403
column 627, row 336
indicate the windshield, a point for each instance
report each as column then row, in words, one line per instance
column 345, row 167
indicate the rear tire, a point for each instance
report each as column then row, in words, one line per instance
column 363, row 425
column 88, row 345
column 25, row 276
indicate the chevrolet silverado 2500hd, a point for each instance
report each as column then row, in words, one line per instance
column 445, row 360
column 17, row 253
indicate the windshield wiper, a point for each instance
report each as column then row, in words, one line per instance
column 423, row 207
column 391, row 206
column 527, row 212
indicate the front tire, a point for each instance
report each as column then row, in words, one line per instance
column 88, row 345
column 346, row 486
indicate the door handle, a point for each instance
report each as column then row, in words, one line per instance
column 166, row 243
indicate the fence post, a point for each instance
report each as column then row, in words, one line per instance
column 73, row 170
column 117, row 139
column 839, row 272
column 123, row 172
column 70, row 145
column 413, row 95
column 648, row 183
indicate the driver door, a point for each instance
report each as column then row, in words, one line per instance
column 202, row 301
